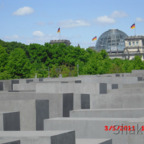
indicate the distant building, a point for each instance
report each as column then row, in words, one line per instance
column 67, row 42
column 112, row 40
column 134, row 45
column 119, row 45
column 91, row 47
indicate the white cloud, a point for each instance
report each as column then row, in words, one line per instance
column 73, row 23
column 138, row 19
column 38, row 34
column 118, row 14
column 105, row 20
column 13, row 37
column 111, row 19
column 24, row 11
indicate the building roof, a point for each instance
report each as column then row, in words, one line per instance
column 134, row 37
column 67, row 42
column 111, row 40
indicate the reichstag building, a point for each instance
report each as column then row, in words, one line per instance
column 119, row 45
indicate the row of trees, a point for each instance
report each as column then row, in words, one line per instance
column 18, row 60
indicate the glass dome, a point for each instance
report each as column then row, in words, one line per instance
column 111, row 40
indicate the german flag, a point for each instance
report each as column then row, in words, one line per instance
column 58, row 31
column 133, row 26
column 95, row 38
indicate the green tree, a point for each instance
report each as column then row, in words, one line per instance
column 18, row 64
column 3, row 58
column 138, row 63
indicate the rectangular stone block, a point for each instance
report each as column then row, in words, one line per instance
column 117, row 75
column 77, row 88
column 55, row 105
column 117, row 101
column 1, row 86
column 140, row 78
column 40, row 79
column 22, row 81
column 25, row 87
column 114, row 86
column 7, row 85
column 138, row 85
column 40, row 137
column 29, row 80
column 95, row 128
column 109, row 80
column 10, row 121
column 109, row 113
column 14, row 82
column 85, row 101
column 64, row 81
column 103, row 88
column 10, row 142
column 42, row 112
column 93, row 141
column 78, row 81
column 67, row 104
column 137, row 71
column 32, row 113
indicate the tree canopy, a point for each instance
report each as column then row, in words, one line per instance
column 18, row 60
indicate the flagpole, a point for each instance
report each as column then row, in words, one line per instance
column 135, row 28
column 59, row 31
column 59, row 35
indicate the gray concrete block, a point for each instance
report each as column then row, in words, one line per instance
column 137, row 71
column 31, row 115
column 133, row 85
column 1, row 86
column 41, row 137
column 7, row 85
column 127, row 90
column 109, row 113
column 78, row 88
column 29, row 80
column 109, row 80
column 14, row 82
column 24, row 87
column 10, row 141
column 77, row 101
column 67, row 104
column 85, row 101
column 64, row 81
column 114, row 86
column 117, row 100
column 9, row 121
column 140, row 78
column 103, row 88
column 42, row 112
column 22, row 81
column 40, row 79
column 55, row 105
column 117, row 75
column 78, row 81
column 93, row 127
column 93, row 141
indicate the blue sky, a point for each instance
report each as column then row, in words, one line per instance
column 37, row 21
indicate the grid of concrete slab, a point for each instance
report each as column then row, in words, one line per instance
column 96, row 109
